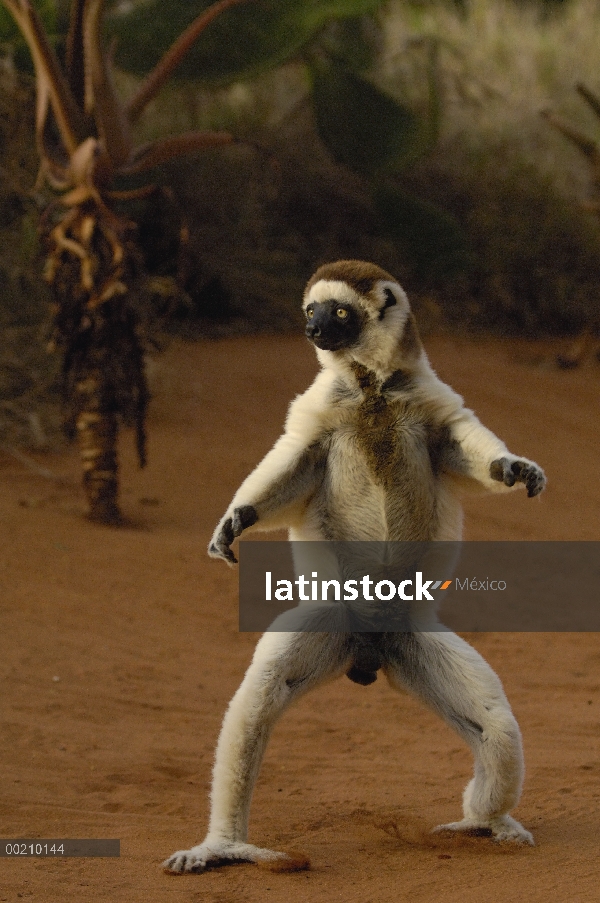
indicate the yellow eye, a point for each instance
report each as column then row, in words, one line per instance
column 310, row 312
column 342, row 313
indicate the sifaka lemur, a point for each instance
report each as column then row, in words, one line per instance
column 376, row 449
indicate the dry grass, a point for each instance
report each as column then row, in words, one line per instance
column 516, row 186
column 500, row 65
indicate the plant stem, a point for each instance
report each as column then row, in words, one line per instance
column 97, row 430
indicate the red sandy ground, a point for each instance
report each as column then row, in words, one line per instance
column 140, row 628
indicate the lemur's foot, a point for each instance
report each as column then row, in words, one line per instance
column 510, row 472
column 233, row 526
column 501, row 828
column 223, row 852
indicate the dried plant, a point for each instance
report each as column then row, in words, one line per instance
column 93, row 265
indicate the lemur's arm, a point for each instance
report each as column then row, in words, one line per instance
column 472, row 450
column 286, row 476
column 486, row 459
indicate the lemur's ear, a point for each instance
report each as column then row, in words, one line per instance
column 390, row 301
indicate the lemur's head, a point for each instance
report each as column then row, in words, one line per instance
column 357, row 311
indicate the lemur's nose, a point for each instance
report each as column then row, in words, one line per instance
column 312, row 330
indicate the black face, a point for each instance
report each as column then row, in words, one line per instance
column 332, row 325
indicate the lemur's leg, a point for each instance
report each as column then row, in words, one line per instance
column 285, row 665
column 452, row 678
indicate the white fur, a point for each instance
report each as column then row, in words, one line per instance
column 325, row 289
column 443, row 670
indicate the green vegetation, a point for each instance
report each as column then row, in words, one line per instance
column 413, row 137
column 406, row 133
column 29, row 402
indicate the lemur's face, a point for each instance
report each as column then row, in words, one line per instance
column 333, row 323
column 348, row 305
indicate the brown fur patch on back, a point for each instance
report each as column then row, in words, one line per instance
column 359, row 274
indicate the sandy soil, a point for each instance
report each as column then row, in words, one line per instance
column 119, row 651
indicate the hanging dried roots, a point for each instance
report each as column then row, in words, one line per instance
column 93, row 270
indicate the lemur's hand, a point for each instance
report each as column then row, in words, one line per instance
column 510, row 472
column 241, row 519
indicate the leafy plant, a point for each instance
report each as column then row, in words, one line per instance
column 380, row 138
column 253, row 39
column 93, row 263
column 363, row 127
